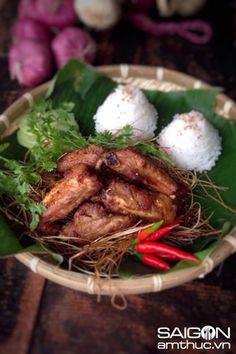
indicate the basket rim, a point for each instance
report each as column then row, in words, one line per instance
column 136, row 284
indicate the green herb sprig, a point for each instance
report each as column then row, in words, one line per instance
column 16, row 180
column 51, row 132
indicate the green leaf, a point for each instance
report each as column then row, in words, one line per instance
column 81, row 84
column 36, row 210
column 10, row 244
column 49, row 133
column 200, row 254
column 170, row 103
column 223, row 174
column 132, row 266
column 151, row 149
column 3, row 147
column 14, row 150
column 16, row 180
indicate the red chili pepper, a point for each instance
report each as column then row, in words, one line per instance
column 160, row 248
column 169, row 257
column 155, row 262
column 142, row 234
column 164, row 230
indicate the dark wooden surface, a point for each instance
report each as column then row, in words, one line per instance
column 37, row 316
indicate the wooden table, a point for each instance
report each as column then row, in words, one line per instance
column 38, row 316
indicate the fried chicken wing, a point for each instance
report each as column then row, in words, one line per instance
column 78, row 185
column 125, row 198
column 89, row 156
column 47, row 228
column 91, row 221
column 104, row 191
column 139, row 168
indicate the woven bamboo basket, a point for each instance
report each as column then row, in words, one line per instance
column 149, row 78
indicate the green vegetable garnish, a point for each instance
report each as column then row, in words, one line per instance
column 16, row 180
column 51, row 132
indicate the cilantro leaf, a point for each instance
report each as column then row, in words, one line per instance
column 49, row 133
column 16, row 182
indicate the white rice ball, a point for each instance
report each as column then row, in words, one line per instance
column 191, row 141
column 127, row 105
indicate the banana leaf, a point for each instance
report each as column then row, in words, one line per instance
column 84, row 86
column 87, row 89
column 10, row 244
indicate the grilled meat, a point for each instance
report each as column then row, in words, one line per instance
column 46, row 228
column 125, row 198
column 78, row 185
column 119, row 205
column 89, row 156
column 91, row 221
column 139, row 168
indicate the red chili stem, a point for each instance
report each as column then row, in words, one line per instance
column 160, row 248
column 164, row 230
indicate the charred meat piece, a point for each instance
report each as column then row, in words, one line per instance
column 139, row 168
column 91, row 221
column 125, row 198
column 78, row 185
column 89, row 156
